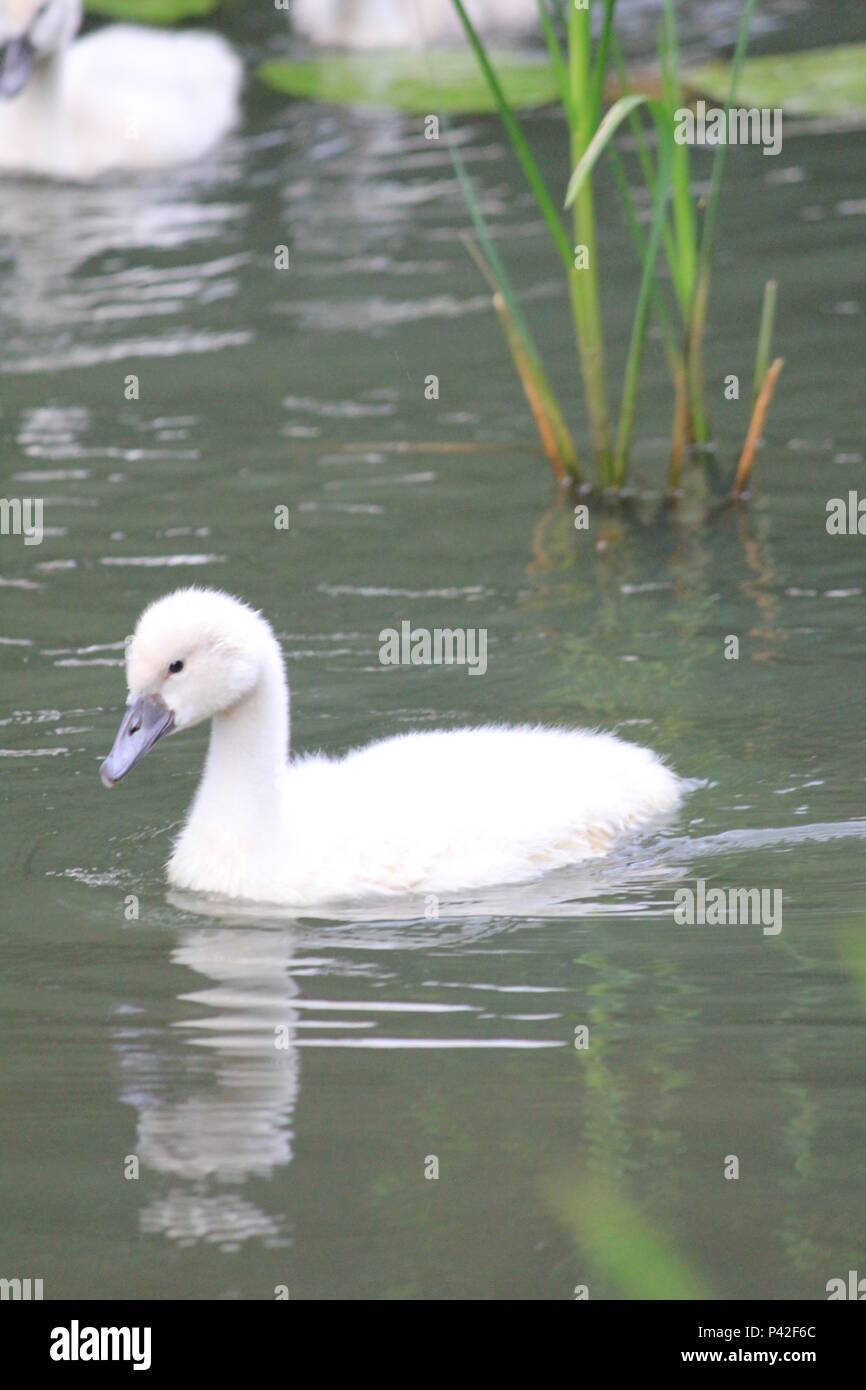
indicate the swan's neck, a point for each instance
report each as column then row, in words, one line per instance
column 244, row 776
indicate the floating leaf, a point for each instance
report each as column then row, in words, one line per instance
column 151, row 11
column 815, row 82
column 443, row 81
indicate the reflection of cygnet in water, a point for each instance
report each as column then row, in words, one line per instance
column 237, row 1123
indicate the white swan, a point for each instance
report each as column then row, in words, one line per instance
column 122, row 98
column 418, row 813
column 407, row 23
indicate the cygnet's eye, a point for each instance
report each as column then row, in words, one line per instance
column 175, row 667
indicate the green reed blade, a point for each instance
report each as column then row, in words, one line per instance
column 639, row 326
column 765, row 336
column 557, row 58
column 518, row 141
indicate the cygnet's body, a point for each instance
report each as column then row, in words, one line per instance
column 374, row 24
column 124, row 97
column 419, row 813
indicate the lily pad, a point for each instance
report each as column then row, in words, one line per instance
column 815, row 82
column 442, row 81
column 151, row 11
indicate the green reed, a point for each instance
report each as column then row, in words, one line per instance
column 680, row 227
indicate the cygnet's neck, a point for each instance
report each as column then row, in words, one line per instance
column 246, row 761
column 33, row 116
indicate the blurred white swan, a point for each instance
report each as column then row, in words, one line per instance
column 420, row 813
column 122, row 98
column 406, row 23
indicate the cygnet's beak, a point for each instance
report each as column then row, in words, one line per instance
column 146, row 720
column 16, row 64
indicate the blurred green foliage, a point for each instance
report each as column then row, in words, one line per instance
column 816, row 82
column 620, row 1243
column 151, row 11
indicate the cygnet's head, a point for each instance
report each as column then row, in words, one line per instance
column 194, row 654
column 31, row 30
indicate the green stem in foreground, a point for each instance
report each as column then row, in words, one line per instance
column 686, row 366
column 518, row 139
column 684, row 212
column 765, row 337
column 639, row 327
column 601, row 53
column 687, row 275
column 583, row 283
column 555, row 436
column 646, row 165
column 648, row 293
column 675, row 357
column 694, row 355
column 700, row 298
column 557, row 58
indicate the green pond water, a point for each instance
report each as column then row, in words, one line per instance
column 412, row 1039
